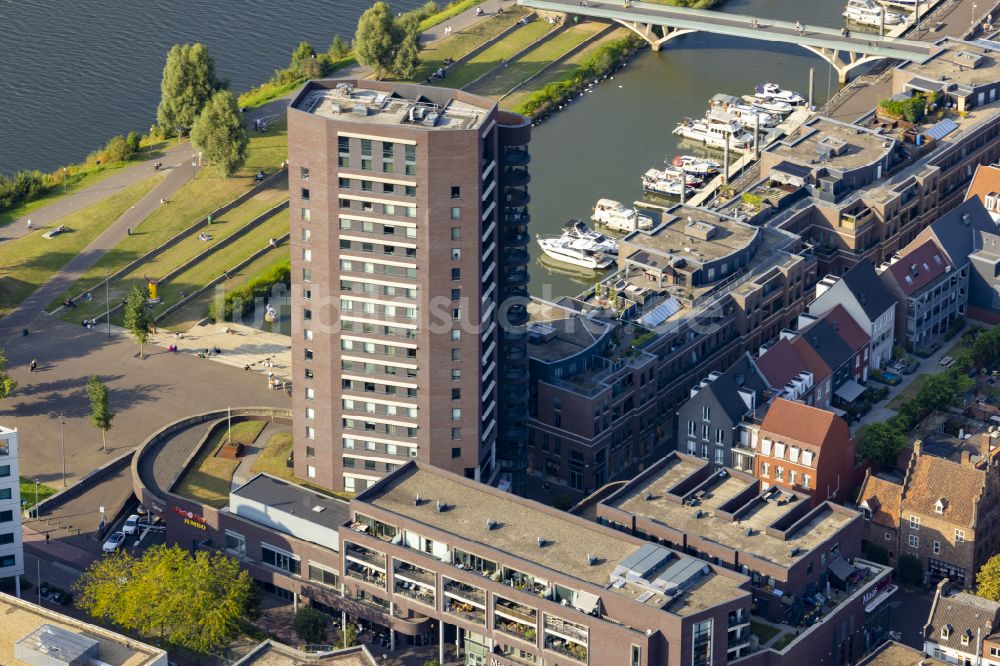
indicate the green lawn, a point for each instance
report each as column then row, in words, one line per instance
column 206, row 192
column 561, row 71
column 210, row 477
column 764, row 632
column 28, row 491
column 186, row 316
column 532, row 62
column 29, row 261
column 465, row 41
column 468, row 72
column 908, row 393
column 271, row 460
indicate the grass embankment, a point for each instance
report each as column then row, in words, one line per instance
column 271, row 460
column 28, row 492
column 908, row 393
column 462, row 43
column 196, row 199
column 495, row 55
column 452, row 10
column 532, row 62
column 31, row 260
column 210, row 477
column 566, row 79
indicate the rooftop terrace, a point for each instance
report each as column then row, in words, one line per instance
column 732, row 534
column 831, row 143
column 696, row 234
column 559, row 333
column 380, row 103
column 958, row 62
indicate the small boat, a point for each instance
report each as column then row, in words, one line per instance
column 905, row 4
column 614, row 215
column 868, row 12
column 775, row 91
column 771, row 105
column 598, row 241
column 696, row 166
column 745, row 114
column 574, row 251
column 670, row 173
column 666, row 187
column 716, row 134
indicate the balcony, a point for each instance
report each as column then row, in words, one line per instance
column 517, row 315
column 513, row 257
column 517, row 629
column 365, row 574
column 466, row 611
column 565, row 629
column 566, row 648
column 516, row 611
column 415, row 574
column 516, row 157
column 465, row 592
column 516, row 177
column 516, row 198
column 415, row 592
column 516, row 218
column 517, row 237
column 366, row 556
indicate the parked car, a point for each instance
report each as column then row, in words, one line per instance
column 131, row 525
column 114, row 542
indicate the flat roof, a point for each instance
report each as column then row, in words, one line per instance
column 21, row 619
column 270, row 653
column 385, row 103
column 841, row 145
column 892, row 653
column 958, row 62
column 683, row 234
column 707, row 592
column 571, row 332
column 709, row 526
column 297, row 500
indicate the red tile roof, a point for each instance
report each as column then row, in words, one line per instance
column 985, row 181
column 852, row 334
column 803, row 423
column 811, row 360
column 934, row 478
column 919, row 266
column 882, row 498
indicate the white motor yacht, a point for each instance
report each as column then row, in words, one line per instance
column 614, row 215
column 771, row 105
column 671, row 173
column 715, row 133
column 745, row 114
column 868, row 12
column 598, row 241
column 774, row 90
column 697, row 166
column 574, row 251
column 666, row 187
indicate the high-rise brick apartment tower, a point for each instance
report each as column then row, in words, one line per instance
column 409, row 283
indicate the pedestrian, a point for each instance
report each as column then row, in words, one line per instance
column 29, row 225
column 128, row 231
column 46, row 537
column 33, row 366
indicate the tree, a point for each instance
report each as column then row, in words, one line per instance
column 339, row 48
column 910, row 569
column 988, row 579
column 310, row 625
column 349, row 635
column 198, row 601
column 876, row 553
column 219, row 132
column 304, row 59
column 187, row 85
column 986, row 348
column 881, row 443
column 373, row 41
column 137, row 319
column 100, row 411
column 7, row 383
column 407, row 39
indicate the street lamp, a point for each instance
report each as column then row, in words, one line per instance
column 107, row 300
column 65, row 184
column 36, row 498
column 62, row 446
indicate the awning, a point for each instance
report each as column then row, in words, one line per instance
column 586, row 602
column 850, row 390
column 842, row 569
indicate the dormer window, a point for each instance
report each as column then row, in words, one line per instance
column 866, row 510
column 939, row 506
column 945, row 632
column 965, row 638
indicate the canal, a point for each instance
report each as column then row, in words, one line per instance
column 601, row 144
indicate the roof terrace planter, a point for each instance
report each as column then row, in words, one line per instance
column 466, row 611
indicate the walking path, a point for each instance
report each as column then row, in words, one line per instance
column 22, row 316
column 99, row 191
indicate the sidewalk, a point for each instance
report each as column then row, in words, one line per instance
column 56, row 549
column 104, row 188
column 243, row 346
column 25, row 313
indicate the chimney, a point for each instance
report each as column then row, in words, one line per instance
column 918, row 447
column 966, row 457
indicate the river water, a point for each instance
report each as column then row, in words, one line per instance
column 73, row 74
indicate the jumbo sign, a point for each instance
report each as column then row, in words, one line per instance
column 190, row 518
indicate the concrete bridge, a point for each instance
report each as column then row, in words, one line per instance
column 843, row 53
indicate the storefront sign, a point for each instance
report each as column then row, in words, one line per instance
column 190, row 518
column 872, row 593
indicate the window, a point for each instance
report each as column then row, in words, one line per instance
column 706, row 413
column 456, row 414
column 706, row 432
column 310, row 471
column 456, row 192
column 236, row 543
column 280, row 559
column 701, row 649
column 937, row 547
column 692, row 429
column 456, row 253
column 914, row 541
column 304, row 173
column 310, row 432
column 965, row 638
column 805, row 480
column 305, row 194
column 779, row 473
column 306, row 235
column 7, row 561
column 456, row 213
column 306, row 215
column 456, row 274
column 456, row 394
column 959, row 536
column 765, row 469
column 456, row 433
column 4, row 470
column 7, row 538
column 6, row 493
column 456, row 233
column 343, row 151
column 792, row 476
column 456, row 452
column 456, row 355
column 939, row 506
column 318, row 574
column 310, row 452
column 914, row 522
column 349, row 483
column 945, row 632
column 367, row 186
column 456, row 374
column 307, row 254
column 411, row 160
column 888, row 536
column 636, row 653
column 719, row 437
